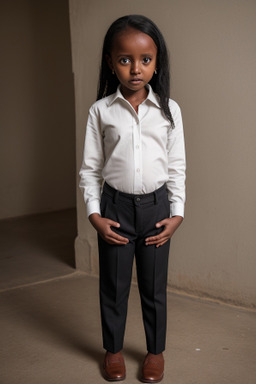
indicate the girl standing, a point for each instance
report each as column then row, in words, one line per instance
column 134, row 147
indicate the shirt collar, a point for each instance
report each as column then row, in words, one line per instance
column 152, row 96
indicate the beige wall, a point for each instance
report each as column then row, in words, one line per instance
column 37, row 119
column 213, row 56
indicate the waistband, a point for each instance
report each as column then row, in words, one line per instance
column 146, row 198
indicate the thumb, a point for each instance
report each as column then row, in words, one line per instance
column 113, row 223
column 160, row 224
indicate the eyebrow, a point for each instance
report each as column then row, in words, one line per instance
column 143, row 54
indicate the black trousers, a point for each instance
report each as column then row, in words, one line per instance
column 137, row 215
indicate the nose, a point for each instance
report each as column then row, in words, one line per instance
column 135, row 68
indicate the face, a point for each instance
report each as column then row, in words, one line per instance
column 133, row 58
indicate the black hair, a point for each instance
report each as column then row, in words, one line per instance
column 160, row 82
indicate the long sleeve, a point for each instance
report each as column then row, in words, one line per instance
column 92, row 164
column 176, row 163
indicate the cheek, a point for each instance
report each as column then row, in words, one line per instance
column 150, row 71
column 122, row 72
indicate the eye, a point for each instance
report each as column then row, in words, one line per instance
column 146, row 60
column 124, row 60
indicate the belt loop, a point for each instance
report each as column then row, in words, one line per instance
column 116, row 196
column 155, row 198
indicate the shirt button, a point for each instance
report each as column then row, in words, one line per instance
column 137, row 146
column 138, row 170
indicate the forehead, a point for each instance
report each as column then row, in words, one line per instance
column 131, row 40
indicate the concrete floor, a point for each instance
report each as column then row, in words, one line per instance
column 50, row 322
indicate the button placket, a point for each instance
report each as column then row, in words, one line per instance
column 137, row 155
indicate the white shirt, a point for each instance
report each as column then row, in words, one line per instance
column 133, row 152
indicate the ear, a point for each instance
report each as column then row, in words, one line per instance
column 109, row 61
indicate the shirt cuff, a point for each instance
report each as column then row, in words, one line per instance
column 93, row 207
column 176, row 209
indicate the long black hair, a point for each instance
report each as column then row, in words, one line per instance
column 160, row 82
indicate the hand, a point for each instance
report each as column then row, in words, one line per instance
column 103, row 227
column 170, row 225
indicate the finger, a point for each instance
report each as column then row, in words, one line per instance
column 154, row 242
column 163, row 236
column 112, row 240
column 115, row 242
column 161, row 223
column 162, row 243
column 157, row 237
column 158, row 243
column 115, row 236
column 113, row 223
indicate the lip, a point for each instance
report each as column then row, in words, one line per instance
column 135, row 81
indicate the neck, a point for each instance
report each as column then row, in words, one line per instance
column 134, row 98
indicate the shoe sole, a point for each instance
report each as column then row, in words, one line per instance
column 109, row 379
column 151, row 381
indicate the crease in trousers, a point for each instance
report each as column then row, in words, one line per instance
column 137, row 215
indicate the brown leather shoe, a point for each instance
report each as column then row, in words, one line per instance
column 114, row 367
column 153, row 368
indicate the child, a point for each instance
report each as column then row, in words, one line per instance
column 134, row 145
